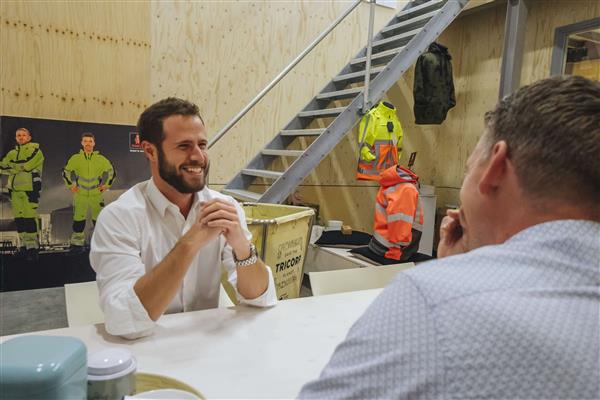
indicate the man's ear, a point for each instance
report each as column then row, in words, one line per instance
column 150, row 150
column 496, row 170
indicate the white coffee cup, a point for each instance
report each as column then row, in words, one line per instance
column 111, row 374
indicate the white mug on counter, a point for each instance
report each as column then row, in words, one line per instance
column 111, row 374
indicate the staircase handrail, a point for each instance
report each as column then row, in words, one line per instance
column 366, row 100
column 282, row 74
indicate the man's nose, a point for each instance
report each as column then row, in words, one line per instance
column 198, row 154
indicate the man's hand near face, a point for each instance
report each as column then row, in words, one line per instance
column 252, row 280
column 222, row 215
column 157, row 288
column 452, row 240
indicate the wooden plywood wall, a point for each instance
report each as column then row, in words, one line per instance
column 475, row 42
column 83, row 61
column 220, row 55
column 588, row 68
column 543, row 18
column 442, row 150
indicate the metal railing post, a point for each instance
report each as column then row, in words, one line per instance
column 366, row 100
column 283, row 73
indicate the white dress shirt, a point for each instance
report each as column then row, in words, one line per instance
column 135, row 233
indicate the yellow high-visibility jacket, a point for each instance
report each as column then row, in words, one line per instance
column 23, row 165
column 380, row 140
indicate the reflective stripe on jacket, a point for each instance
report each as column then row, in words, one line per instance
column 23, row 165
column 380, row 141
column 88, row 172
column 398, row 215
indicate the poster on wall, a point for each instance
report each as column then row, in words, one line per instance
column 56, row 176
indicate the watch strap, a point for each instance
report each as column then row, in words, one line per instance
column 252, row 259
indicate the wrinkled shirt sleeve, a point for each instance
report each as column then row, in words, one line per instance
column 115, row 258
column 269, row 297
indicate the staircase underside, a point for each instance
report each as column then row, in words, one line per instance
column 337, row 108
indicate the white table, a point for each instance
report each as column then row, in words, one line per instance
column 241, row 352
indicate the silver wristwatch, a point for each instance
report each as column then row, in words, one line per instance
column 252, row 259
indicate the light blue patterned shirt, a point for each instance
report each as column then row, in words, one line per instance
column 518, row 320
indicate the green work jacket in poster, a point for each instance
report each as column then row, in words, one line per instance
column 23, row 165
column 88, row 172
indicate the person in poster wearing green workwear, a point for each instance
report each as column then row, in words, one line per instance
column 24, row 165
column 88, row 174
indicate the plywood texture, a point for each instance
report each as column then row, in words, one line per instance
column 351, row 204
column 588, row 68
column 442, row 150
column 475, row 42
column 221, row 54
column 543, row 18
column 104, row 61
column 472, row 4
column 217, row 56
column 85, row 61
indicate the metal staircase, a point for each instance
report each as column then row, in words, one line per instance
column 324, row 121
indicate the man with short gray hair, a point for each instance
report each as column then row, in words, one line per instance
column 512, row 310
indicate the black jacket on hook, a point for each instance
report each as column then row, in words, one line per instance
column 433, row 88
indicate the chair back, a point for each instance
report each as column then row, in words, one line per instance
column 83, row 304
column 348, row 280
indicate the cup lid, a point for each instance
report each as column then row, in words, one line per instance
column 109, row 363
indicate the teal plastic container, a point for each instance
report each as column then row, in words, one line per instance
column 43, row 367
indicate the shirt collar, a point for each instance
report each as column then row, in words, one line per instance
column 547, row 228
column 162, row 204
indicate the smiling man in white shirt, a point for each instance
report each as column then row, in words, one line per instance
column 159, row 247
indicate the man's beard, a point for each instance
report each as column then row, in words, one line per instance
column 169, row 174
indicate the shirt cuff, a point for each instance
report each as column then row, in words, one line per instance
column 267, row 299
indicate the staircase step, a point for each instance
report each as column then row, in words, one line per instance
column 263, row 173
column 357, row 75
column 242, row 194
column 412, row 29
column 340, row 94
column 420, row 9
column 405, row 36
column 418, row 20
column 383, row 55
column 302, row 132
column 282, row 153
column 326, row 112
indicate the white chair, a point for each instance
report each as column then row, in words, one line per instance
column 82, row 301
column 348, row 280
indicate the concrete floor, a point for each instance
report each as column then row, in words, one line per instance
column 32, row 310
